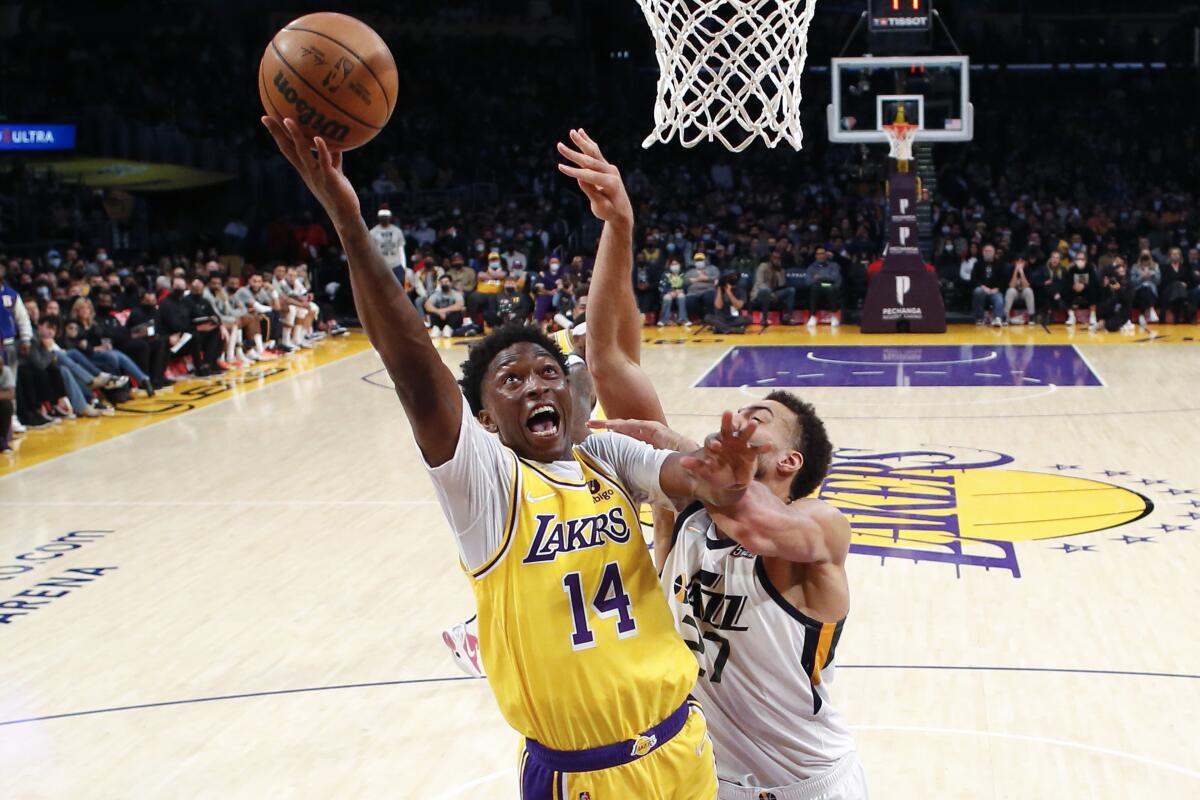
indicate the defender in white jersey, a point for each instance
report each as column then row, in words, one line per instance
column 758, row 590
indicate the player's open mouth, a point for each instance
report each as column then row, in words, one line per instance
column 543, row 422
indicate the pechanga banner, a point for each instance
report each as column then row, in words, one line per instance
column 37, row 137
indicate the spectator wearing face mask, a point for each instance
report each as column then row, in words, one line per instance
column 825, row 282
column 1082, row 288
column 389, row 241
column 671, row 288
column 143, row 332
column 510, row 305
column 544, row 287
column 1145, row 280
column 445, row 306
column 264, row 321
column 701, row 282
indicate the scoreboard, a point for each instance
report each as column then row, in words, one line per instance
column 899, row 15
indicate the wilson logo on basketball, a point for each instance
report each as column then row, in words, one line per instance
column 308, row 116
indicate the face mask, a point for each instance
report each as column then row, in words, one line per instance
column 445, row 287
column 813, row 228
column 554, row 267
column 674, row 268
column 949, row 246
column 945, row 230
column 103, row 309
column 707, row 237
column 148, row 307
column 478, row 248
column 54, row 262
column 670, row 247
column 177, row 293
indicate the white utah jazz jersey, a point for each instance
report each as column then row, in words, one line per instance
column 765, row 668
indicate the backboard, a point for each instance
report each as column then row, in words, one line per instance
column 933, row 90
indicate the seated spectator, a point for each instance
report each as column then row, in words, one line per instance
column 824, row 277
column 293, row 308
column 729, row 301
column 1115, row 297
column 701, row 282
column 567, row 311
column 672, row 290
column 646, row 275
column 1174, row 286
column 55, row 381
column 206, row 331
column 1145, row 280
column 1047, row 280
column 466, row 280
column 1019, row 285
column 510, row 305
column 1082, row 288
column 1191, row 276
column 492, row 276
column 445, row 307
column 771, row 291
column 988, row 280
column 256, row 298
column 101, row 350
column 544, row 288
column 143, row 329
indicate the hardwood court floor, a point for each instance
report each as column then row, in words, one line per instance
column 245, row 601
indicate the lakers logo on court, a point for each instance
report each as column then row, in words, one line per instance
column 964, row 507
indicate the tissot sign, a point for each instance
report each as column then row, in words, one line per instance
column 37, row 137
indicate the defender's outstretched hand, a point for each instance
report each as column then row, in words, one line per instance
column 321, row 171
column 728, row 460
column 599, row 180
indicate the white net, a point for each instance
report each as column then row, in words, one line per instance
column 900, row 141
column 729, row 70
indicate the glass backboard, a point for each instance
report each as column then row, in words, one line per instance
column 934, row 92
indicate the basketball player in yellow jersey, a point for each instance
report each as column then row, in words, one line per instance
column 757, row 588
column 577, row 639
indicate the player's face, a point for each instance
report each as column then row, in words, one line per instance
column 775, row 426
column 527, row 401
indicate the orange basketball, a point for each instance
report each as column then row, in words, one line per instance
column 333, row 75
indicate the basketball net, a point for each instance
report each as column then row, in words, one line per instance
column 729, row 70
column 900, row 140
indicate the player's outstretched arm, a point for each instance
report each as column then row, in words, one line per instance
column 614, row 326
column 426, row 388
column 805, row 532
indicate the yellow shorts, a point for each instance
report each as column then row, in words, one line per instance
column 680, row 769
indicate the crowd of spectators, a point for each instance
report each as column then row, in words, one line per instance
column 82, row 333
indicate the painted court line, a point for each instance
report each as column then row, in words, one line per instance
column 210, row 503
column 457, row 678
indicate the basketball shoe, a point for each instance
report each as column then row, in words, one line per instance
column 463, row 641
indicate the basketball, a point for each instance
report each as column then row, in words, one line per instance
column 333, row 75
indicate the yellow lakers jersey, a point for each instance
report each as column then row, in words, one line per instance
column 577, row 639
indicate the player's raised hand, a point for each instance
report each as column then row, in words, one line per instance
column 651, row 432
column 728, row 460
column 320, row 167
column 599, row 180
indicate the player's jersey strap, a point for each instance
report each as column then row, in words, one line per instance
column 820, row 640
column 509, row 525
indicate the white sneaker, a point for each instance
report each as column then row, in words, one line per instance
column 1127, row 327
column 304, row 344
column 435, row 332
column 447, row 331
column 687, row 323
column 812, row 321
column 464, row 647
column 662, row 324
column 1142, row 322
column 996, row 322
column 834, row 321
column 1153, row 314
column 1071, row 317
column 17, row 427
column 1092, row 324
